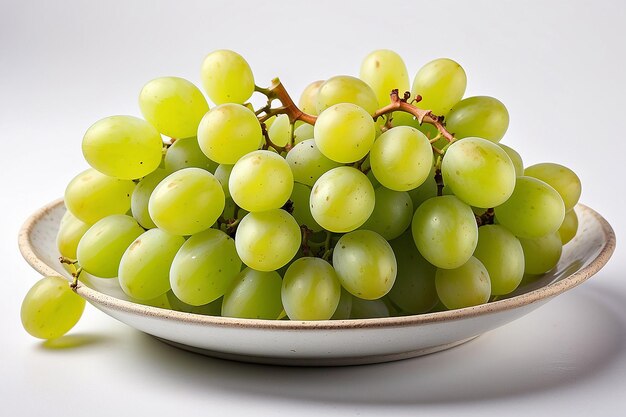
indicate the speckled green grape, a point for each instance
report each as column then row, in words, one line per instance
column 365, row 264
column 280, row 130
column 307, row 162
column 384, row 70
column 123, row 147
column 141, row 197
column 441, row 83
column 562, row 179
column 534, row 209
column 445, row 232
column 310, row 290
column 222, row 174
column 465, row 286
column 502, row 255
column 308, row 98
column 50, row 308
column 254, row 295
column 300, row 197
column 303, row 132
column 227, row 77
column 541, row 254
column 569, row 227
column 204, row 267
column 71, row 230
column 392, row 215
column 346, row 89
column 481, row 116
column 186, row 153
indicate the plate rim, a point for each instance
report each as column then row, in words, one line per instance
column 543, row 293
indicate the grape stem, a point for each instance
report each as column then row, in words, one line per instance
column 486, row 218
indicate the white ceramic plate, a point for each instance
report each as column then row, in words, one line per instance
column 340, row 342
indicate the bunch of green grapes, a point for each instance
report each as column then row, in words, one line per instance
column 353, row 215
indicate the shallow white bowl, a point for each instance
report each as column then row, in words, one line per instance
column 338, row 342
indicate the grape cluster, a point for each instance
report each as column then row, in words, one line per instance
column 353, row 204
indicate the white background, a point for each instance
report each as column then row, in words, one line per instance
column 558, row 66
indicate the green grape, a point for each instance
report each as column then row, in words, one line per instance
column 280, row 131
column 101, row 248
column 267, row 240
column 342, row 199
column 300, row 197
column 401, row 158
column 344, row 132
column 254, row 295
column 160, row 302
column 227, row 78
column 384, row 70
column 141, row 197
column 91, row 196
column 392, row 215
column 187, row 202
column 441, row 83
column 260, row 180
column 222, row 173
column 50, row 308
column 186, row 153
column 310, row 290
column 445, row 231
column 228, row 132
column 214, row 308
column 534, row 209
column 478, row 172
column 414, row 290
column 204, row 267
column 144, row 267
column 502, row 255
column 307, row 162
column 561, row 178
column 541, row 254
column 229, row 210
column 368, row 309
column 344, row 308
column 71, row 230
column 346, row 89
column 173, row 105
column 481, row 116
column 569, row 227
column 123, row 147
column 365, row 264
column 465, row 286
column 308, row 99
column 425, row 191
column 515, row 158
column 401, row 118
column 303, row 132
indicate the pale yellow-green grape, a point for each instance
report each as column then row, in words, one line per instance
column 342, row 199
column 141, row 197
column 123, row 147
column 101, row 248
column 346, row 89
column 187, row 202
column 365, row 264
column 515, row 158
column 222, row 173
column 186, row 153
column 425, row 191
column 384, row 70
column 160, row 302
column 300, row 197
column 260, row 180
column 307, row 162
column 145, row 266
column 541, row 254
column 254, row 295
column 204, row 267
column 50, row 308
column 414, row 290
column 479, row 172
column 465, row 286
column 310, row 290
column 482, row 116
column 227, row 77
column 368, row 309
column 308, row 99
column 534, row 209
column 280, row 130
column 392, row 213
column 303, row 132
column 91, row 196
column 401, row 118
column 344, row 307
column 562, row 179
column 228, row 132
column 214, row 308
column 344, row 132
column 502, row 255
column 229, row 210
column 401, row 158
column 173, row 105
column 268, row 240
column 569, row 227
column 445, row 231
column 441, row 83
column 71, row 230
